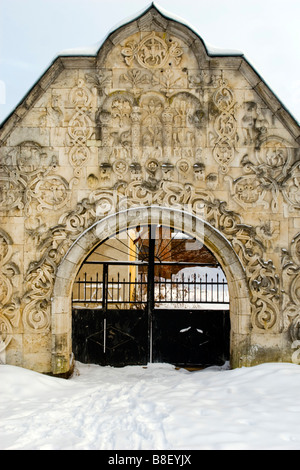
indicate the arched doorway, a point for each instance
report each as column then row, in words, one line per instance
column 151, row 293
column 117, row 223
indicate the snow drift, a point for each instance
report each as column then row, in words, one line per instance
column 151, row 408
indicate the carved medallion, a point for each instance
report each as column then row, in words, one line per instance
column 152, row 52
column 248, row 192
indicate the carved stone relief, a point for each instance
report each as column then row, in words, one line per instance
column 254, row 125
column 9, row 303
column 28, row 179
column 158, row 134
column 291, row 303
column 151, row 123
column 151, row 130
column 152, row 52
column 262, row 277
column 224, row 125
column 268, row 175
column 80, row 127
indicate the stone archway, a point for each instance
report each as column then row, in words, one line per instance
column 61, row 308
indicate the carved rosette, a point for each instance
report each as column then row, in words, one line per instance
column 268, row 175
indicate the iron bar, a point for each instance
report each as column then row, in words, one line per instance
column 104, row 335
column 150, row 287
column 85, row 286
column 104, row 287
column 174, row 290
column 156, row 263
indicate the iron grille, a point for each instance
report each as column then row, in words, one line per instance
column 132, row 292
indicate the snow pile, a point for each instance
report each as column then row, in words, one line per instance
column 153, row 408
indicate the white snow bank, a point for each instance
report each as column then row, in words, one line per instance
column 153, row 408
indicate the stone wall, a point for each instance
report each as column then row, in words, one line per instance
column 151, row 120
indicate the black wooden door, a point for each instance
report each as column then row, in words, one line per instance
column 190, row 337
column 116, row 338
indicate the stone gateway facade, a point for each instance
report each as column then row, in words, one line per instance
column 152, row 127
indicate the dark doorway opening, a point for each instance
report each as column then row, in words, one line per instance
column 151, row 294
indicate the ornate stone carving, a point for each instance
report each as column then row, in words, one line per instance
column 225, row 125
column 291, row 304
column 262, row 277
column 52, row 193
column 136, row 80
column 27, row 179
column 167, row 131
column 169, row 81
column 152, row 120
column 269, row 175
column 291, row 189
column 9, row 305
column 254, row 125
column 100, row 81
column 247, row 191
column 152, row 52
column 52, row 117
column 80, row 127
column 41, row 274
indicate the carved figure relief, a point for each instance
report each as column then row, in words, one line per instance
column 152, row 52
column 156, row 129
column 254, row 125
column 291, row 191
column 248, row 192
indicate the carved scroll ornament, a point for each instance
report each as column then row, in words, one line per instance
column 80, row 126
column 262, row 277
column 9, row 305
column 152, row 52
column 27, row 178
column 291, row 306
column 225, row 126
column 267, row 176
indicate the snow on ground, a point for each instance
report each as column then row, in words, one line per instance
column 153, row 408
